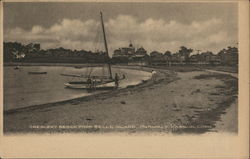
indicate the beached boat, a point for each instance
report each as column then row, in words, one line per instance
column 78, row 67
column 37, row 73
column 91, row 86
column 17, row 67
column 97, row 82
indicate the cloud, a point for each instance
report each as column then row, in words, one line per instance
column 152, row 34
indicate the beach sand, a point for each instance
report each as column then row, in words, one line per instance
column 190, row 101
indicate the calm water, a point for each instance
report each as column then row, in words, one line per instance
column 22, row 89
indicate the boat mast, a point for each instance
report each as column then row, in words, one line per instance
column 106, row 47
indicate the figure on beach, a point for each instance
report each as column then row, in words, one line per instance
column 90, row 83
column 116, row 80
column 153, row 75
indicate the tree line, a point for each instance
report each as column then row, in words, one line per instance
column 17, row 52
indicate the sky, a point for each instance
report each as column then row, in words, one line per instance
column 155, row 26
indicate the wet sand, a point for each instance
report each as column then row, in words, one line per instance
column 182, row 102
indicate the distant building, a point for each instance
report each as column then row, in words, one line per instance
column 175, row 58
column 229, row 56
column 139, row 60
column 205, row 58
column 125, row 51
column 156, row 54
column 140, row 57
column 157, row 58
column 18, row 55
column 140, row 52
column 194, row 59
column 131, row 56
column 33, row 47
column 214, row 60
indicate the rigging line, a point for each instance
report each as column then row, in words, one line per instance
column 95, row 43
column 94, row 47
column 89, row 73
column 91, row 70
column 103, row 71
column 99, row 38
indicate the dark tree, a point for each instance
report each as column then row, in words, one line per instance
column 185, row 52
column 167, row 53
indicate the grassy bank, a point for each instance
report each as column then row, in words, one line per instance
column 231, row 69
column 183, row 68
column 188, row 68
column 226, row 91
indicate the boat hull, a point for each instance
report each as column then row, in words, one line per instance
column 105, row 86
column 37, row 73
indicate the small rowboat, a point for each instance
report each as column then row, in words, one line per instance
column 37, row 73
column 78, row 67
column 17, row 67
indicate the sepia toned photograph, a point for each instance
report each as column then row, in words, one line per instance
column 120, row 67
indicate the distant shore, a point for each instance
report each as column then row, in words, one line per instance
column 142, row 68
column 231, row 69
column 52, row 64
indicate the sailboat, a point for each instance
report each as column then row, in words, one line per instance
column 97, row 82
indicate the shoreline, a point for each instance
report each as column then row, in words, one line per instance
column 57, row 64
column 83, row 98
column 221, row 68
column 169, row 100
